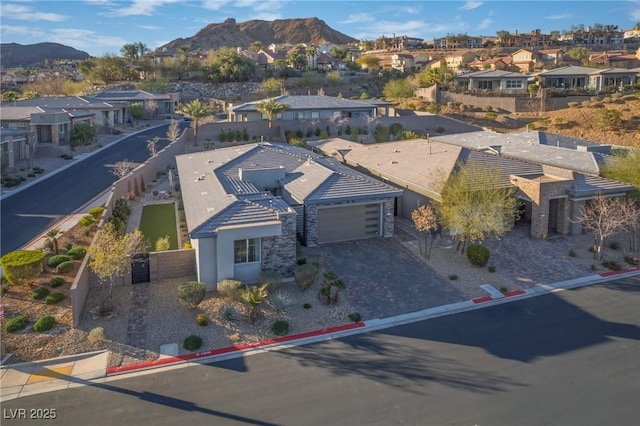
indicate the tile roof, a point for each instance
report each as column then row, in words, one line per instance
column 568, row 71
column 314, row 102
column 215, row 195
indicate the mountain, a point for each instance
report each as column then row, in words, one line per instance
column 291, row 31
column 26, row 55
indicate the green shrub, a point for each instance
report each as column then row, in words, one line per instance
column 56, row 281
column 355, row 317
column 487, row 108
column 453, row 277
column 192, row 343
column 44, row 323
column 191, row 293
column 39, row 293
column 272, row 278
column 462, row 107
column 586, row 103
column 202, row 320
column 478, row 255
column 315, row 260
column 54, row 298
column 162, row 243
column 65, row 267
column 229, row 289
column 22, row 266
column 305, row 275
column 17, row 323
column 491, row 115
column 87, row 220
column 612, row 264
column 491, row 268
column 307, row 306
column 96, row 212
column 572, row 253
column 58, row 259
column 572, row 104
column 96, row 335
column 280, row 328
column 77, row 253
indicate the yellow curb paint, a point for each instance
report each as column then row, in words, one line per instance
column 49, row 374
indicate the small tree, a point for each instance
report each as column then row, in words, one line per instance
column 173, row 132
column 273, row 86
column 603, row 216
column 630, row 213
column 122, row 168
column 426, row 223
column 331, row 287
column 152, row 146
column 52, row 237
column 151, row 107
column 398, row 90
column 22, row 266
column 110, row 257
column 607, row 119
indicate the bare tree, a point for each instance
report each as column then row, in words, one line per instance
column 150, row 106
column 122, row 168
column 173, row 132
column 152, row 146
column 603, row 217
column 426, row 223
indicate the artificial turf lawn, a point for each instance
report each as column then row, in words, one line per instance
column 157, row 221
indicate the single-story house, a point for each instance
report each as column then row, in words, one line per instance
column 613, row 77
column 164, row 103
column 13, row 147
column 312, row 107
column 551, row 196
column 246, row 206
column 587, row 78
column 488, row 80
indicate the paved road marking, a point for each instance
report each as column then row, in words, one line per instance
column 49, row 374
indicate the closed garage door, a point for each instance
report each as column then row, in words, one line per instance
column 348, row 222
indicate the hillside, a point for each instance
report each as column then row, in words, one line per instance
column 27, row 55
column 291, row 31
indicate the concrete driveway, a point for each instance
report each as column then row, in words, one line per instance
column 384, row 279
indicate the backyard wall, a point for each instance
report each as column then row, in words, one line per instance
column 173, row 264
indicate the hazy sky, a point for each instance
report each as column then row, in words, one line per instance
column 104, row 26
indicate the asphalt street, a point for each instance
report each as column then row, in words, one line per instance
column 33, row 210
column 565, row 358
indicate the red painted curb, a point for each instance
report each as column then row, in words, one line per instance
column 514, row 293
column 235, row 348
column 621, row 271
column 482, row 299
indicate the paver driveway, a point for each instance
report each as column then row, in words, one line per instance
column 384, row 279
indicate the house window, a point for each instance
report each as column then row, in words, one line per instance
column 245, row 251
column 514, row 84
column 315, row 115
column 298, row 115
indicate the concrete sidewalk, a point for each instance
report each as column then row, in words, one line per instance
column 30, row 378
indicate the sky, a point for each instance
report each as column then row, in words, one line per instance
column 101, row 27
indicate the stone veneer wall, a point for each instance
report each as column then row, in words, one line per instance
column 388, row 220
column 279, row 252
column 311, row 225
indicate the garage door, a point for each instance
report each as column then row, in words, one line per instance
column 348, row 222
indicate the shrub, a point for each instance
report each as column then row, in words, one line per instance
column 478, row 255
column 572, row 253
column 503, row 290
column 191, row 293
column 54, row 298
column 586, row 103
column 162, row 243
column 44, row 323
column 487, row 108
column 572, row 104
column 491, row 268
column 462, row 107
column 453, row 277
column 280, row 328
column 96, row 335
column 491, row 115
column 355, row 317
column 228, row 313
column 280, row 302
column 96, row 212
column 307, row 306
column 39, row 293
column 17, row 323
column 56, row 281
column 613, row 245
column 272, row 278
column 612, row 264
column 606, row 99
column 315, row 260
column 77, row 253
column 301, row 261
column 65, row 267
column 305, row 275
column 87, row 220
column 594, row 99
column 192, row 343
column 202, row 320
column 229, row 289
column 22, row 266
column 616, row 96
column 58, row 259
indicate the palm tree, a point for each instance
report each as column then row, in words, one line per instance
column 270, row 107
column 196, row 110
column 52, row 237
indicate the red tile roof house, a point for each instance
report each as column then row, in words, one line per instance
column 246, row 206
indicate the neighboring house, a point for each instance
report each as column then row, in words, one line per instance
column 165, row 103
column 312, row 107
column 402, row 61
column 49, row 125
column 523, row 60
column 571, row 77
column 459, row 60
column 493, row 64
column 500, row 81
column 246, row 206
column 13, row 147
column 551, row 58
column 534, row 39
column 615, row 60
column 551, row 196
